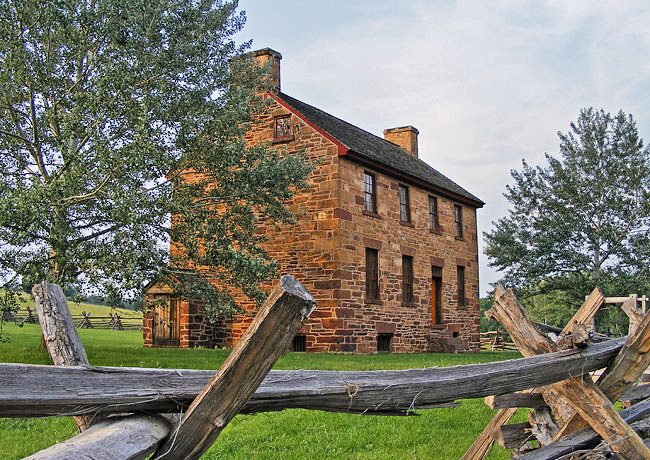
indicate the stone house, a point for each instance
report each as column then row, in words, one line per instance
column 386, row 244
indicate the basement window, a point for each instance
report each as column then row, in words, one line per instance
column 299, row 343
column 384, row 343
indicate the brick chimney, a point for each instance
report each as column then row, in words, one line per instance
column 405, row 137
column 265, row 55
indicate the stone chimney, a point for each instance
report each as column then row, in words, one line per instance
column 265, row 55
column 405, row 137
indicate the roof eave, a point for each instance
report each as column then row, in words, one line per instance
column 345, row 151
column 354, row 156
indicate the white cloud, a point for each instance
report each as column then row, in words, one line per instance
column 486, row 83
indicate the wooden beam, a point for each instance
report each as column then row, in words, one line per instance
column 580, row 392
column 636, row 393
column 633, row 313
column 59, row 333
column 512, row 436
column 624, row 371
column 522, row 399
column 586, row 438
column 30, row 390
column 542, row 425
column 266, row 339
column 587, row 311
column 128, row 438
column 482, row 445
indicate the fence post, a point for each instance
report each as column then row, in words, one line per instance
column 59, row 333
column 265, row 340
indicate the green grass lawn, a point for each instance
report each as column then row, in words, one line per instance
column 290, row 434
column 77, row 307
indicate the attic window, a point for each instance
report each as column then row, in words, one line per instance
column 283, row 127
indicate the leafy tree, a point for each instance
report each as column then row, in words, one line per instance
column 581, row 221
column 104, row 108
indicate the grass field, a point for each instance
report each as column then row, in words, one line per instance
column 77, row 307
column 291, row 434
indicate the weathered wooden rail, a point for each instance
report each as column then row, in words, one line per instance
column 34, row 390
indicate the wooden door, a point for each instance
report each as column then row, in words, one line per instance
column 166, row 327
column 436, row 297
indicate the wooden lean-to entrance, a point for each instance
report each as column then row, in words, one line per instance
column 436, row 297
column 166, row 324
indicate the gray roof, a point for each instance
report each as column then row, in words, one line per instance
column 373, row 150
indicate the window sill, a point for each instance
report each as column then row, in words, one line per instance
column 279, row 140
column 371, row 214
column 439, row 327
column 374, row 302
column 409, row 304
column 460, row 238
column 463, row 306
column 406, row 224
column 436, row 232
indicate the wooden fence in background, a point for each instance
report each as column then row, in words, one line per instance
column 83, row 321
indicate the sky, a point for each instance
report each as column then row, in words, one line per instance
column 486, row 83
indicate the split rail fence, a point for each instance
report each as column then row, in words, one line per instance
column 186, row 410
column 496, row 341
column 83, row 321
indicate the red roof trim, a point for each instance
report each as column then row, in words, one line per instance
column 342, row 149
column 413, row 180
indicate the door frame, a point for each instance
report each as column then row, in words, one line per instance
column 436, row 295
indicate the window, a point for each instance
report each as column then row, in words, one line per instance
column 434, row 222
column 458, row 220
column 369, row 193
column 283, row 126
column 461, row 285
column 299, row 343
column 384, row 342
column 407, row 279
column 372, row 274
column 404, row 206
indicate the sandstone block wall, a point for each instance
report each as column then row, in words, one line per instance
column 325, row 250
column 410, row 323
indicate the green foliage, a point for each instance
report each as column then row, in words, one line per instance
column 485, row 305
column 582, row 221
column 10, row 301
column 552, row 308
column 103, row 108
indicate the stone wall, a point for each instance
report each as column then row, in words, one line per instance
column 325, row 250
column 411, row 324
column 304, row 249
